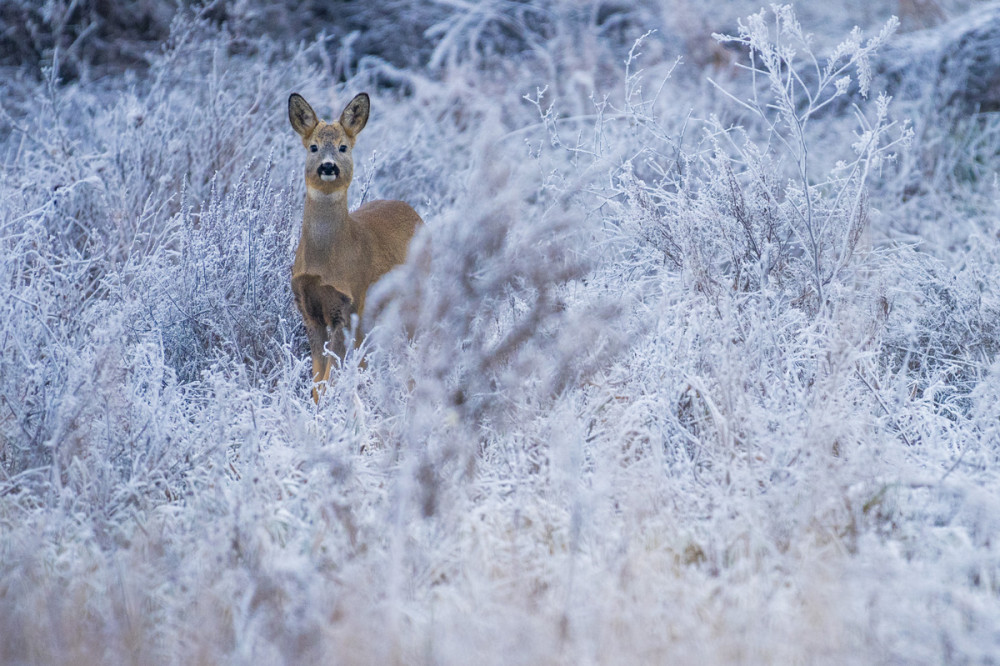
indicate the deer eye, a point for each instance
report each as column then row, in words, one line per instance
column 314, row 148
column 343, row 149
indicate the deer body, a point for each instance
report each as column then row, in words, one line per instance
column 340, row 253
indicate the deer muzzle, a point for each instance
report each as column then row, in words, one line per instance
column 328, row 171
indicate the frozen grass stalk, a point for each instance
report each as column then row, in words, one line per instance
column 797, row 88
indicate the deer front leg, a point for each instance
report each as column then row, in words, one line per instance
column 325, row 313
column 337, row 309
column 317, row 334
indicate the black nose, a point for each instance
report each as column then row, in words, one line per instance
column 328, row 169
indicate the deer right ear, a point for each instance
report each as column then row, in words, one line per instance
column 301, row 115
column 355, row 115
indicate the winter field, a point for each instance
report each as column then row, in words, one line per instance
column 705, row 333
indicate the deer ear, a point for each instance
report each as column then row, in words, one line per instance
column 301, row 115
column 355, row 115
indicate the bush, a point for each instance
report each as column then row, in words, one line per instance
column 677, row 371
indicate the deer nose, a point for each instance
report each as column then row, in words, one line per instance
column 328, row 169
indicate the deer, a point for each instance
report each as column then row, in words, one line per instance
column 340, row 254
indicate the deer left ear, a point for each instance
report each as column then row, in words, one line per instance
column 301, row 115
column 355, row 115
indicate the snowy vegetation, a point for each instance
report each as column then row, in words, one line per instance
column 704, row 358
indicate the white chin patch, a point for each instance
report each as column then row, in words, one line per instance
column 328, row 178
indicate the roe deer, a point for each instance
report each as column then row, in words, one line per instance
column 340, row 254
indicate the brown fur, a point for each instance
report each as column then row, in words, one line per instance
column 340, row 253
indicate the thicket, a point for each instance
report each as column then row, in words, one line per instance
column 694, row 362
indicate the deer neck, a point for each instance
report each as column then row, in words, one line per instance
column 328, row 229
column 326, row 222
column 333, row 245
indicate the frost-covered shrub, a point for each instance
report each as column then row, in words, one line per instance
column 780, row 210
column 223, row 288
column 85, row 35
column 602, row 415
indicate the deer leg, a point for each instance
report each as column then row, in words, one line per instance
column 336, row 342
column 336, row 316
column 320, row 362
column 325, row 312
